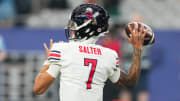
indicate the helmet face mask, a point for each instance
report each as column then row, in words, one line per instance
column 87, row 20
column 73, row 28
column 70, row 30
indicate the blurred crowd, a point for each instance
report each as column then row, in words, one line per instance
column 46, row 13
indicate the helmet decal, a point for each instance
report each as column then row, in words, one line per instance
column 99, row 29
column 89, row 13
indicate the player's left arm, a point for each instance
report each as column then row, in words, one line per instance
column 43, row 79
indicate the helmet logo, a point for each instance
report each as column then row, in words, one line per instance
column 89, row 13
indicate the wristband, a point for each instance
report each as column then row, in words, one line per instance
column 46, row 62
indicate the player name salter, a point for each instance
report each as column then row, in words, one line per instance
column 90, row 50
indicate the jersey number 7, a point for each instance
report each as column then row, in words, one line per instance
column 93, row 68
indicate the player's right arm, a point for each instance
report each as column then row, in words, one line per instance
column 129, row 80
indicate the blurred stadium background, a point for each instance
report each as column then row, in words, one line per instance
column 26, row 24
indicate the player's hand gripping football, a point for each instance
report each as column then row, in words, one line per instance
column 137, row 37
column 48, row 49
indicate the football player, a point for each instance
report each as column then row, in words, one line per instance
column 82, row 66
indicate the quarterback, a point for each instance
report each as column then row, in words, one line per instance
column 81, row 65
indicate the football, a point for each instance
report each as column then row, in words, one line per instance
column 149, row 38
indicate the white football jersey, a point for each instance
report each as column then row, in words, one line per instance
column 82, row 70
